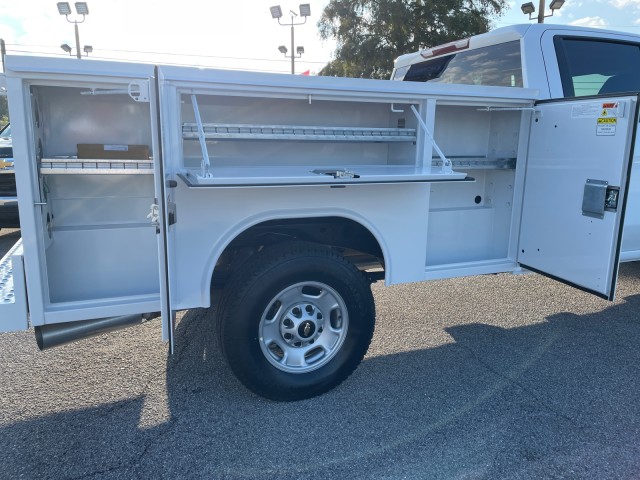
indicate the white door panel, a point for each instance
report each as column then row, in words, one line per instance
column 578, row 166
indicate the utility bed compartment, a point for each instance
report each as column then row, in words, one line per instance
column 92, row 157
column 278, row 134
column 95, row 157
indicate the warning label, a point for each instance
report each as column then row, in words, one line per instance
column 596, row 109
column 586, row 110
column 607, row 126
column 608, row 120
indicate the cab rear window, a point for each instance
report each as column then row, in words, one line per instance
column 497, row 65
column 595, row 66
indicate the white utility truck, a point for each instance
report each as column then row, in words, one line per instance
column 559, row 61
column 142, row 188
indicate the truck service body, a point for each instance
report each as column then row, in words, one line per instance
column 558, row 61
column 142, row 188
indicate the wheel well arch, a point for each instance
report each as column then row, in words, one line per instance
column 358, row 240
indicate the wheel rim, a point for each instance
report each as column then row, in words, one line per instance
column 303, row 327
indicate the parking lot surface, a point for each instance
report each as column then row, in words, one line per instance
column 502, row 376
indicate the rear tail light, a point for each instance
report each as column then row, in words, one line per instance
column 446, row 48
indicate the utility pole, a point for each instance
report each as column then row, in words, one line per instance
column 305, row 11
column 81, row 9
column 529, row 8
column 541, row 8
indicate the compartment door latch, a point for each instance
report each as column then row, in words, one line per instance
column 154, row 216
column 599, row 197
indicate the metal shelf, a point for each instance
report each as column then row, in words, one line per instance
column 99, row 166
column 220, row 131
column 248, row 176
column 478, row 163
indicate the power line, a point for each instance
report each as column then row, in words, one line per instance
column 173, row 64
column 138, row 52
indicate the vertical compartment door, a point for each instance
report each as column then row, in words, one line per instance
column 577, row 172
column 159, row 213
column 163, row 205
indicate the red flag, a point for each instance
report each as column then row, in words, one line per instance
column 307, row 73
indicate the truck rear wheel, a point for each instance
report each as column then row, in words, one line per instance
column 296, row 321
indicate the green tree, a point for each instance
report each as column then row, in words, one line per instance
column 370, row 34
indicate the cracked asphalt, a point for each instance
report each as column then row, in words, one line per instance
column 495, row 377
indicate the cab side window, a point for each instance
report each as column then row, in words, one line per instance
column 497, row 65
column 594, row 66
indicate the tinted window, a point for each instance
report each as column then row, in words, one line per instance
column 497, row 65
column 589, row 67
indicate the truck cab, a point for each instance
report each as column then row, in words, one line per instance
column 559, row 61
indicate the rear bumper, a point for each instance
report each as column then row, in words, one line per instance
column 13, row 292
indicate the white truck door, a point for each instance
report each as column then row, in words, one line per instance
column 576, row 183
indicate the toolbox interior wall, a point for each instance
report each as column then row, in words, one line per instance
column 462, row 130
column 299, row 112
column 474, row 131
column 99, row 243
column 102, row 245
column 471, row 221
column 70, row 118
column 461, row 230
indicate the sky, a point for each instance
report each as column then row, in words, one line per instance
column 231, row 34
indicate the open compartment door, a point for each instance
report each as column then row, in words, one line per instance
column 577, row 171
column 161, row 217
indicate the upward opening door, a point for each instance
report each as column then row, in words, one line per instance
column 577, row 173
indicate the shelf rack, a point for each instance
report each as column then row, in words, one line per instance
column 69, row 165
column 221, row 131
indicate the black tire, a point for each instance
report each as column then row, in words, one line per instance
column 296, row 321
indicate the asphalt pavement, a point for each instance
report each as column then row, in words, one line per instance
column 494, row 377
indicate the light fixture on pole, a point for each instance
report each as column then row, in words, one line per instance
column 81, row 9
column 305, row 11
column 528, row 9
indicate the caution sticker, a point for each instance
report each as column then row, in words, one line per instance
column 607, row 126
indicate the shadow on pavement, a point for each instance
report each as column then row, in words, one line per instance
column 559, row 396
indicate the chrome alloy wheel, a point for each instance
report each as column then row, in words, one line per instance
column 303, row 327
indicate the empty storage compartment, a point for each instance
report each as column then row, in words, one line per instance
column 471, row 221
column 263, row 139
column 95, row 163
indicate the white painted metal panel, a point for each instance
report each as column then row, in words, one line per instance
column 162, row 222
column 13, row 294
column 573, row 144
column 89, row 208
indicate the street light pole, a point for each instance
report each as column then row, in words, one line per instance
column 305, row 11
column 528, row 9
column 541, row 12
column 81, row 9
column 78, row 39
column 293, row 57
